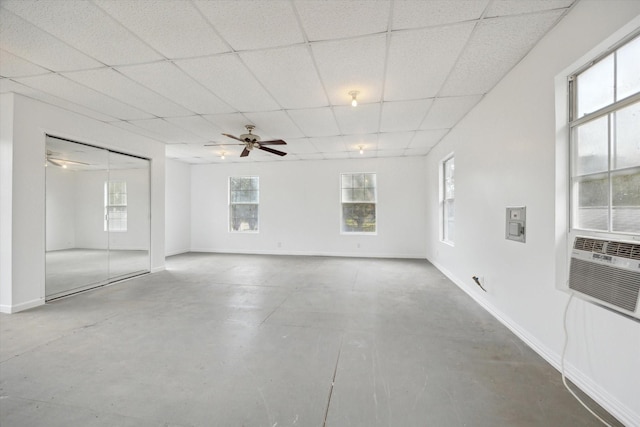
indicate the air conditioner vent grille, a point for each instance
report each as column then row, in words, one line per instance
column 619, row 249
column 609, row 284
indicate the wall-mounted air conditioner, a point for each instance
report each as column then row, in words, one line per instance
column 606, row 272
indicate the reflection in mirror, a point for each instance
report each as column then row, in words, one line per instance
column 93, row 237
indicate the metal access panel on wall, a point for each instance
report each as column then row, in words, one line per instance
column 516, row 223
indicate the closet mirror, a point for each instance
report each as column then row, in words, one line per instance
column 97, row 217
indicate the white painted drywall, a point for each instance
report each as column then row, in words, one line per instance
column 178, row 207
column 31, row 121
column 300, row 208
column 505, row 153
column 6, row 202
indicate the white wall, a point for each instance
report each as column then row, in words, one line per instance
column 6, row 202
column 505, row 152
column 23, row 287
column 178, row 207
column 300, row 208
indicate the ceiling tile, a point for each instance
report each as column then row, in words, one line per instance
column 253, row 24
column 336, row 19
column 274, row 125
column 420, row 60
column 394, row 140
column 367, row 142
column 403, row 115
column 514, row 7
column 315, row 122
column 337, row 155
column 364, row 118
column 168, row 80
column 14, row 66
column 427, row 138
column 329, row 144
column 421, row 151
column 140, row 131
column 233, row 124
column 446, row 112
column 289, row 75
column 391, row 153
column 113, row 83
column 347, row 65
column 197, row 125
column 38, row 47
column 299, row 146
column 176, row 29
column 231, row 81
column 64, row 88
column 420, row 13
column 495, row 47
column 99, row 36
column 7, row 86
column 167, row 131
column 303, row 156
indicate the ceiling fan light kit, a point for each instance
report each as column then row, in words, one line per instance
column 251, row 141
column 354, row 101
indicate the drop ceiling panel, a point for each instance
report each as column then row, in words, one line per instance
column 197, row 125
column 112, row 83
column 231, row 81
column 99, row 36
column 168, row 132
column 427, row 138
column 12, row 66
column 420, row 60
column 233, row 124
column 35, row 45
column 315, row 122
column 64, row 88
column 391, row 153
column 368, row 142
column 299, row 146
column 403, row 115
column 140, row 131
column 7, row 86
column 446, row 112
column 394, row 140
column 514, row 7
column 356, row 64
column 329, row 144
column 273, row 125
column 421, row 13
column 289, row 75
column 336, row 19
column 496, row 46
column 248, row 25
column 364, row 118
column 168, row 80
column 175, row 29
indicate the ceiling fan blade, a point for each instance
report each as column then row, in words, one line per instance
column 244, row 153
column 56, row 160
column 233, row 137
column 272, row 151
column 273, row 142
column 53, row 162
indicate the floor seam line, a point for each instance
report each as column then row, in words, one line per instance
column 333, row 382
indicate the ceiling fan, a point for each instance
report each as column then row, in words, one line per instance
column 62, row 163
column 251, row 141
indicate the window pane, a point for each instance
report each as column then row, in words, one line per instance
column 358, row 194
column 358, row 180
column 244, row 217
column 370, row 180
column 628, row 69
column 626, row 202
column 370, row 195
column 449, row 183
column 627, row 141
column 593, row 204
column 591, row 147
column 359, row 217
column 347, row 195
column 449, row 223
column 595, row 87
column 347, row 181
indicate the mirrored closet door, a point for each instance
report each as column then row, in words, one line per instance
column 97, row 217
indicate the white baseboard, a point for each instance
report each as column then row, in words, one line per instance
column 616, row 408
column 177, row 252
column 311, row 253
column 10, row 309
column 157, row 269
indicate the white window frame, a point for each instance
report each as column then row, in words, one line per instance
column 231, row 204
column 342, row 203
column 122, row 221
column 573, row 122
column 444, row 236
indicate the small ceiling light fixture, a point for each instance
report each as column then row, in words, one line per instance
column 222, row 157
column 354, row 101
column 361, row 150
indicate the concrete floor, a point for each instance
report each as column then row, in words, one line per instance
column 232, row 340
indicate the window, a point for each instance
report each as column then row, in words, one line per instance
column 605, row 142
column 244, row 197
column 358, row 198
column 447, row 202
column 115, row 206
